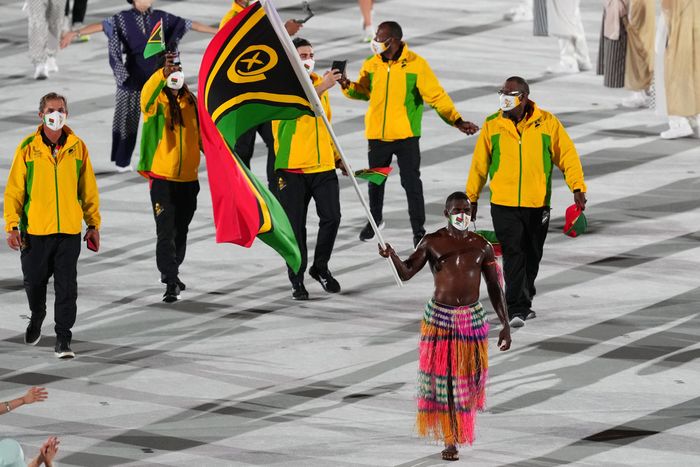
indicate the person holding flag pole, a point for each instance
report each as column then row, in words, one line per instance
column 244, row 81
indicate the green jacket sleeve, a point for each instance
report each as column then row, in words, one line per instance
column 150, row 92
column 361, row 88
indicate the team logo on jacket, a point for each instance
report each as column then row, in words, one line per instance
column 252, row 64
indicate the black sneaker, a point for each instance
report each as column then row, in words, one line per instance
column 63, row 350
column 172, row 293
column 299, row 292
column 177, row 281
column 531, row 314
column 326, row 279
column 367, row 233
column 33, row 333
column 417, row 238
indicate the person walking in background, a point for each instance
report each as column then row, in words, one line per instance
column 366, row 7
column 45, row 23
column 564, row 22
column 127, row 33
column 510, row 152
column 50, row 190
column 170, row 156
column 682, row 67
column 397, row 81
column 305, row 168
column 640, row 27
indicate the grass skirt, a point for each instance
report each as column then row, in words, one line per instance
column 452, row 371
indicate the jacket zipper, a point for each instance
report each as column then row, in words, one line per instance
column 55, row 180
column 386, row 99
column 520, row 175
column 179, row 167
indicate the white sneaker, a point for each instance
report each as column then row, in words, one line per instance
column 585, row 66
column 125, row 169
column 638, row 100
column 563, row 68
column 679, row 127
column 367, row 34
column 40, row 71
column 51, row 65
column 518, row 13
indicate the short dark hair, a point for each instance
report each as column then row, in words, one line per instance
column 51, row 96
column 395, row 30
column 524, row 87
column 301, row 42
column 457, row 195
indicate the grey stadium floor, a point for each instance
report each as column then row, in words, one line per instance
column 237, row 373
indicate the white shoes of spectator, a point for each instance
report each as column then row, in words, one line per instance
column 679, row 127
column 40, row 72
column 125, row 169
column 51, row 65
column 367, row 33
column 519, row 13
column 638, row 100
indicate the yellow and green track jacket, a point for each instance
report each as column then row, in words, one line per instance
column 519, row 164
column 235, row 9
column 168, row 154
column 396, row 90
column 46, row 196
column 305, row 144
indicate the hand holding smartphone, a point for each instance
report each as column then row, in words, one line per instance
column 92, row 243
column 339, row 65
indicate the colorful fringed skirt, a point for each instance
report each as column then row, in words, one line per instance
column 452, row 371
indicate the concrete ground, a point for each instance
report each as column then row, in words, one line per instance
column 237, row 373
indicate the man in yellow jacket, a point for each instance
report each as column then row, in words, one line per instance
column 396, row 81
column 50, row 190
column 170, row 156
column 305, row 166
column 517, row 148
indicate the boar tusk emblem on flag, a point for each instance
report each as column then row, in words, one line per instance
column 252, row 64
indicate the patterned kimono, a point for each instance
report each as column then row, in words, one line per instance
column 127, row 33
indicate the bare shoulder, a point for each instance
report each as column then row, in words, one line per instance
column 480, row 241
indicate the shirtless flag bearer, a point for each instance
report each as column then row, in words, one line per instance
column 453, row 364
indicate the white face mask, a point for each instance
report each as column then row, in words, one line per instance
column 460, row 221
column 176, row 80
column 309, row 64
column 378, row 47
column 506, row 102
column 55, row 120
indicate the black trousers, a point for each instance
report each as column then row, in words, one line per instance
column 408, row 157
column 54, row 255
column 79, row 9
column 246, row 144
column 296, row 191
column 174, row 204
column 522, row 232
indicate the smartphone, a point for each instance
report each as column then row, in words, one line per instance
column 307, row 10
column 340, row 66
column 176, row 59
column 91, row 245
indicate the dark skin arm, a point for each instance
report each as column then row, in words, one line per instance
column 490, row 272
column 412, row 265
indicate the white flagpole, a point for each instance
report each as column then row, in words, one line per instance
column 303, row 77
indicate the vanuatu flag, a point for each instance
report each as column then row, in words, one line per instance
column 246, row 78
column 376, row 175
column 156, row 43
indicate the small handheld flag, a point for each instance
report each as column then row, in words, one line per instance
column 156, row 43
column 377, row 175
column 575, row 222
